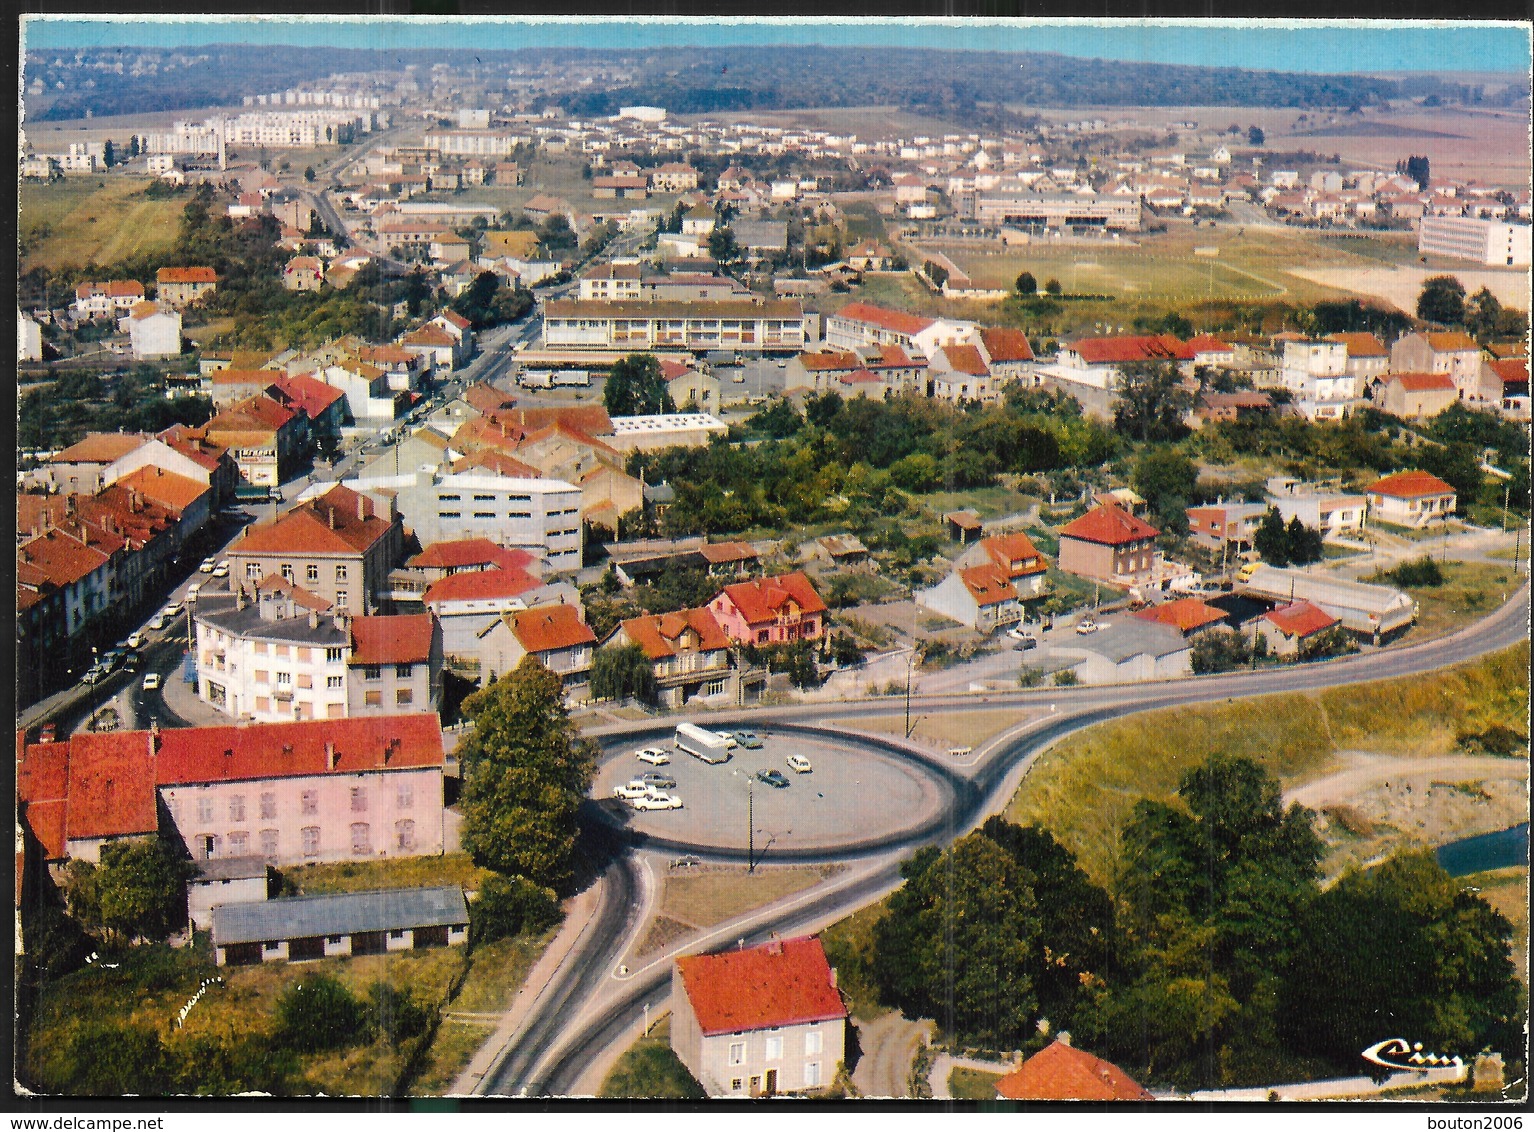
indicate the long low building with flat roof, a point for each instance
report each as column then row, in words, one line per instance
column 1026, row 209
column 665, row 430
column 1372, row 611
column 339, row 924
column 768, row 327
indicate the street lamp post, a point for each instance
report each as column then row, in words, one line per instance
column 750, row 828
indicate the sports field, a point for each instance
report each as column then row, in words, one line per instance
column 85, row 219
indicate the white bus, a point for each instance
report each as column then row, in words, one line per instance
column 701, row 744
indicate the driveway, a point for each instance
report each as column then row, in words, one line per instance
column 888, row 1046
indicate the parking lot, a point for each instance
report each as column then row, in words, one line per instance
column 855, row 792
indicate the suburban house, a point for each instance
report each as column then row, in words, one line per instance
column 980, row 597
column 1109, row 545
column 1416, row 396
column 860, row 324
column 322, row 407
column 1454, row 353
column 1369, row 611
column 467, row 603
column 441, row 560
column 1367, row 358
column 554, row 635
column 688, row 653
column 1007, row 353
column 1290, row 627
column 1016, row 557
column 1096, row 362
column 339, row 924
column 759, row 1021
column 688, row 387
column 178, row 286
column 1318, row 378
column 264, row 437
column 1225, row 526
column 1330, row 512
column 1188, row 615
column 303, row 273
column 338, row 545
column 1060, row 1072
column 103, row 300
column 1410, row 499
column 85, row 790
column 771, row 611
column 154, row 331
column 395, row 664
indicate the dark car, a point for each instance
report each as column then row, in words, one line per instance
column 773, row 778
column 659, row 781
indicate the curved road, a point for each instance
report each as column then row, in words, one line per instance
column 590, row 1009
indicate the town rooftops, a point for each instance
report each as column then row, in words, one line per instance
column 1060, row 1072
column 457, row 554
column 829, row 360
column 549, row 627
column 1361, row 344
column 1184, row 614
column 724, row 553
column 1410, row 485
column 661, row 635
column 1203, row 344
column 781, row 983
column 108, row 788
column 761, row 599
column 254, row 414
column 1004, row 344
column 186, row 275
column 1110, row 525
column 1451, row 342
column 305, row 394
column 1115, row 351
column 480, row 585
column 900, row 322
column 1422, row 382
column 341, row 913
column 225, row 613
column 749, row 309
column 339, row 522
column 966, row 360
column 398, row 639
column 100, row 448
column 496, row 463
column 590, row 419
column 304, row 748
column 1014, row 554
column 1300, row 619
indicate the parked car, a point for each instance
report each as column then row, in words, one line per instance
column 730, row 742
column 135, row 640
column 207, row 566
column 799, row 764
column 172, row 610
column 158, row 621
column 653, row 755
column 1086, row 625
column 221, row 570
column 631, row 790
column 688, row 862
column 656, row 802
column 749, row 740
column 152, row 682
column 94, row 675
column 193, row 590
column 773, row 778
column 1025, row 640
column 658, row 781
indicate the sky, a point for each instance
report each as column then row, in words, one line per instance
column 1341, row 47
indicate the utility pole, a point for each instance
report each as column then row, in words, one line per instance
column 750, row 829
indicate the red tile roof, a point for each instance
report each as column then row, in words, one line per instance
column 63, row 558
column 759, row 600
column 473, row 585
column 430, row 336
column 330, row 524
column 891, row 356
column 496, row 463
column 111, row 786
column 101, row 448
column 254, row 414
column 292, row 750
column 458, row 553
column 988, row 585
column 1059, row 1072
column 723, row 553
column 194, row 446
column 1423, row 382
column 398, row 639
column 1004, row 550
column 782, row 983
column 1361, row 345
column 1511, row 371
column 1205, row 344
column 549, row 627
column 590, row 419
column 1185, row 614
column 187, row 275
column 859, row 377
column 1006, row 345
column 487, row 398
column 671, row 370
column 898, row 321
column 660, row 634
column 822, row 360
column 1112, row 351
column 234, row 376
column 966, row 359
column 1110, row 525
column 1451, row 342
column 276, row 583
column 1301, row 619
column 1409, row 485
column 305, row 394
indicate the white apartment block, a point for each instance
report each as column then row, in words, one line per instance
column 1482, row 241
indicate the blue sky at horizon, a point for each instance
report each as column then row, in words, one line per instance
column 1341, row 47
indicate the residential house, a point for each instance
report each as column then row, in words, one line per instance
column 870, row 256
column 1416, row 396
column 1291, row 627
column 1109, row 545
column 611, row 282
column 339, row 545
column 1411, row 499
column 674, row 177
column 264, row 437
column 303, row 273
column 468, row 602
column 29, row 338
column 322, row 407
column 1129, row 650
column 1096, row 362
column 689, row 655
column 409, row 583
column 1016, row 557
column 1230, row 406
column 339, row 924
column 1188, row 615
column 1367, row 358
column 959, row 373
column 1060, row 1072
column 86, row 790
column 154, row 331
column 106, row 300
column 1330, row 512
column 1317, row 376
column 770, row 611
column 178, row 286
column 860, row 324
column 395, row 664
column 1007, row 354
column 227, row 880
column 691, row 391
column 980, row 597
column 1225, row 526
column 759, row 1021
column 1453, row 353
column 366, row 388
column 554, row 635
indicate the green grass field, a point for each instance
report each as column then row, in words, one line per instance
column 648, row 1070
column 1084, row 788
column 972, row 1084
column 81, row 220
column 1469, row 592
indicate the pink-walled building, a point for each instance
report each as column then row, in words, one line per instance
column 771, row 611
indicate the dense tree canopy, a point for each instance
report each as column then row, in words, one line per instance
column 1151, row 401
column 636, row 387
column 137, row 891
column 1442, row 300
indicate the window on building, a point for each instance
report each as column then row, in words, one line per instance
column 774, row 1047
column 362, row 839
column 812, row 1041
column 268, row 805
column 359, row 799
column 812, row 1073
column 205, row 808
column 404, row 836
column 341, row 600
column 404, row 696
column 404, row 794
column 253, row 571
column 335, row 681
column 287, row 571
column 237, row 807
column 311, row 573
column 397, row 933
column 737, row 1053
column 268, row 843
column 309, row 802
column 333, row 656
column 373, row 698
column 372, row 672
column 340, row 573
column 404, row 671
column 310, row 838
column 284, row 678
column 761, row 637
column 263, row 676
column 239, row 843
column 713, row 688
column 735, row 1083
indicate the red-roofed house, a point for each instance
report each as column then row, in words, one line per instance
column 264, row 437
column 858, row 325
column 1410, row 499
column 434, row 343
column 1016, row 557
column 443, row 559
column 1188, row 615
column 1507, row 379
column 468, row 602
column 980, row 597
column 554, row 635
column 1096, row 361
column 688, row 652
column 178, row 286
column 1110, row 545
column 1060, row 1072
column 1007, row 352
column 760, row 1020
column 99, row 300
column 154, row 330
column 322, row 406
column 303, row 273
column 771, row 611
column 1454, row 353
column 1414, row 396
column 1368, row 359
column 86, row 790
column 1291, row 627
column 959, row 373
column 395, row 665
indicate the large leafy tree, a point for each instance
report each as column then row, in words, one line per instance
column 619, row 671
column 1442, row 300
column 1169, row 482
column 137, row 892
column 1151, row 401
column 636, row 387
column 1271, row 539
column 526, row 769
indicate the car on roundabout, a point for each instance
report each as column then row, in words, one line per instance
column 652, row 755
column 658, row 781
column 750, row 740
column 730, row 742
column 152, row 682
column 1087, row 625
column 656, row 802
column 773, row 778
column 631, row 790
column 799, row 764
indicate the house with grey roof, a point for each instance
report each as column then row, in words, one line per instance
column 339, row 924
column 225, row 880
column 1130, row 650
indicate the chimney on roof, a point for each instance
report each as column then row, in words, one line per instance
column 833, row 978
column 154, row 736
column 390, row 748
column 330, row 755
column 362, row 509
column 228, row 752
column 331, row 511
column 774, row 945
column 1063, row 1037
column 314, row 619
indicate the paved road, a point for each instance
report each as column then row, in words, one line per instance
column 551, row 1061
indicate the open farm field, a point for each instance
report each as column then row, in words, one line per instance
column 1486, row 146
column 84, row 219
column 1400, row 286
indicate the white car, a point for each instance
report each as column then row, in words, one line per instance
column 193, row 590
column 656, row 802
column 1086, row 625
column 221, row 570
column 1024, row 638
column 207, row 566
column 729, row 739
column 633, row 789
column 159, row 621
column 171, row 610
column 152, row 682
column 652, row 755
column 135, row 640
column 799, row 764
